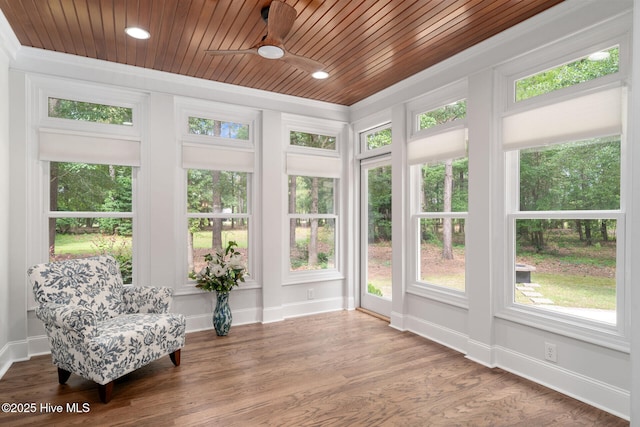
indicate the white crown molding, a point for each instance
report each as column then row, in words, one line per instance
column 8, row 41
column 33, row 60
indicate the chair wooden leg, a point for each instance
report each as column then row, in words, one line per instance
column 105, row 392
column 63, row 375
column 175, row 357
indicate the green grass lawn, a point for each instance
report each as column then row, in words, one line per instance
column 567, row 290
column 89, row 244
column 202, row 239
column 574, row 291
column 453, row 281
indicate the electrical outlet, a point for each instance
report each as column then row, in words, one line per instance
column 550, row 352
column 309, row 293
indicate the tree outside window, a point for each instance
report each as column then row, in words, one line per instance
column 91, row 213
column 569, row 212
column 443, row 207
column 573, row 254
column 312, row 222
column 217, row 213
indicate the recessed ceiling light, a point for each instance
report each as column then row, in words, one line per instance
column 320, row 75
column 137, row 33
column 270, row 52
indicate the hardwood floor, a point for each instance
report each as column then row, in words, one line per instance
column 336, row 369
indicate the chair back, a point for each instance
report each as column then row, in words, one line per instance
column 94, row 283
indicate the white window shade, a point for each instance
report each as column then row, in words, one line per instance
column 589, row 116
column 67, row 147
column 449, row 144
column 217, row 158
column 320, row 166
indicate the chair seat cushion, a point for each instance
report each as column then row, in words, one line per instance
column 129, row 341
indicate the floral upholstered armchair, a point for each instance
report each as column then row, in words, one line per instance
column 98, row 328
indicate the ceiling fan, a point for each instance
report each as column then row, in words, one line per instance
column 279, row 17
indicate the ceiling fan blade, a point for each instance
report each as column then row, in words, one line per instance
column 303, row 63
column 280, row 21
column 252, row 51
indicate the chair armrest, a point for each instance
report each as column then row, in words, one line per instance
column 146, row 299
column 69, row 317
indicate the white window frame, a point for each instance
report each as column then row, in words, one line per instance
column 94, row 94
column 294, row 123
column 49, row 214
column 429, row 102
column 245, row 158
column 366, row 152
column 247, row 216
column 307, row 274
column 188, row 107
column 59, row 128
column 612, row 336
column 366, row 159
column 313, row 162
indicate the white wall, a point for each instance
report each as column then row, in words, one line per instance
column 590, row 372
column 4, row 206
column 635, row 232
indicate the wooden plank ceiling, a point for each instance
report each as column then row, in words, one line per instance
column 365, row 45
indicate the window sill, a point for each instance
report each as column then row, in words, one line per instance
column 440, row 294
column 590, row 331
column 297, row 278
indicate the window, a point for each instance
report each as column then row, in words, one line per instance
column 442, row 222
column 440, row 171
column 218, row 211
column 89, row 112
column 566, row 228
column 312, row 223
column 596, row 64
column 376, row 138
column 218, row 158
column 565, row 195
column 219, row 128
column 91, row 213
column 312, row 140
column 447, row 113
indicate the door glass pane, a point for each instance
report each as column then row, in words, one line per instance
column 379, row 231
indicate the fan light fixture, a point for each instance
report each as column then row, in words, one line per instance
column 320, row 75
column 137, row 33
column 270, row 52
column 279, row 17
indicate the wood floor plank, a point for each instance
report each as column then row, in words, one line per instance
column 336, row 369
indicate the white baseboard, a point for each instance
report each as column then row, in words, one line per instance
column 310, row 307
column 397, row 321
column 480, row 353
column 202, row 322
column 438, row 333
column 272, row 314
column 592, row 392
column 595, row 393
column 38, row 345
column 15, row 351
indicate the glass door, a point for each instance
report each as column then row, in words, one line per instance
column 375, row 208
